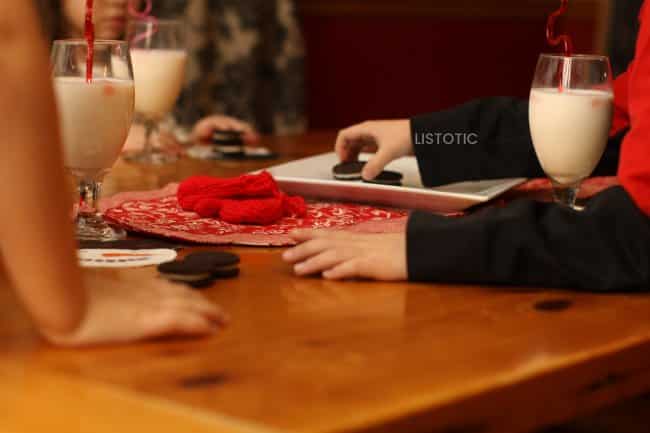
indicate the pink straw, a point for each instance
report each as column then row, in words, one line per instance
column 89, row 34
column 144, row 15
column 550, row 30
column 564, row 72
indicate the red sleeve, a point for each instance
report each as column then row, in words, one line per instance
column 634, row 166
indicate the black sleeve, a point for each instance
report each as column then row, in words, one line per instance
column 484, row 139
column 606, row 247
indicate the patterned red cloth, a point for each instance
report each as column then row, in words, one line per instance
column 246, row 199
column 158, row 213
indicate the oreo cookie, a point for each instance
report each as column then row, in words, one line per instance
column 229, row 144
column 348, row 171
column 183, row 271
column 200, row 270
column 386, row 177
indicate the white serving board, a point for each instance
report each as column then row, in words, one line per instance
column 312, row 177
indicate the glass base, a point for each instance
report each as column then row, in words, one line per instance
column 566, row 195
column 95, row 228
column 155, row 157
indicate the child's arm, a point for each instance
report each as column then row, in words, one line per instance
column 35, row 228
column 604, row 248
column 482, row 139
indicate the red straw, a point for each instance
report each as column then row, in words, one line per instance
column 550, row 30
column 89, row 33
column 144, row 15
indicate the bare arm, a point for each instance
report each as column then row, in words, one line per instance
column 36, row 237
column 35, row 228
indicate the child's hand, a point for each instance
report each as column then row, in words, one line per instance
column 205, row 127
column 124, row 309
column 392, row 138
column 342, row 255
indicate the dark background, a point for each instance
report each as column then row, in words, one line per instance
column 372, row 59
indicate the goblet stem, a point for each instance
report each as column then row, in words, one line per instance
column 150, row 154
column 89, row 224
column 566, row 194
column 89, row 192
column 149, row 129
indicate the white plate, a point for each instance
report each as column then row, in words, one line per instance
column 312, row 177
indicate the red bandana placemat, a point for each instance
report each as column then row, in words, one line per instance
column 158, row 213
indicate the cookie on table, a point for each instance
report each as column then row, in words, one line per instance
column 202, row 269
column 229, row 144
column 184, row 272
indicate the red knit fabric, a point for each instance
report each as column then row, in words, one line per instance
column 197, row 188
column 248, row 199
column 264, row 211
column 294, row 205
column 206, row 207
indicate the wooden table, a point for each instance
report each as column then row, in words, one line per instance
column 307, row 355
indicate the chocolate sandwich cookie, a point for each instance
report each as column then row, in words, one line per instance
column 391, row 178
column 229, row 144
column 185, row 272
column 200, row 270
column 348, row 171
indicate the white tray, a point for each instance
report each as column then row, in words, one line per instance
column 312, row 177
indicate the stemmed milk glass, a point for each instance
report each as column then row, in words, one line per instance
column 570, row 112
column 159, row 59
column 95, row 118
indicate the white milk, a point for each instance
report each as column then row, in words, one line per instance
column 570, row 130
column 159, row 77
column 95, row 120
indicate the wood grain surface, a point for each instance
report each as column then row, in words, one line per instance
column 307, row 355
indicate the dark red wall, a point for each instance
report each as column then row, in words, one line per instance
column 361, row 68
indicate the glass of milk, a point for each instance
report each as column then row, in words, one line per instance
column 570, row 114
column 159, row 60
column 95, row 117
